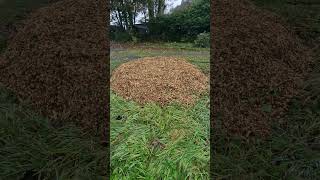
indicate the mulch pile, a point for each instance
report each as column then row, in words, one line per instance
column 58, row 62
column 258, row 65
column 159, row 79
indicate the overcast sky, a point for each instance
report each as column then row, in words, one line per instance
column 170, row 4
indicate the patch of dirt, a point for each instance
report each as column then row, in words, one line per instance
column 156, row 143
column 258, row 65
column 159, row 79
column 58, row 62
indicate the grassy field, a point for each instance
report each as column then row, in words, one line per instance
column 293, row 150
column 151, row 142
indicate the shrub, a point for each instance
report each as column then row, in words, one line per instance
column 121, row 36
column 203, row 40
column 183, row 24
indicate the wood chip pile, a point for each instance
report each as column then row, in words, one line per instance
column 59, row 62
column 159, row 79
column 257, row 64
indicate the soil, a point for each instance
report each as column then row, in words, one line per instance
column 162, row 80
column 257, row 66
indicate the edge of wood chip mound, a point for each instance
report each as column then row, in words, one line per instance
column 161, row 80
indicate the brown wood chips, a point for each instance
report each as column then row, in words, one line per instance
column 159, row 79
column 257, row 66
column 59, row 62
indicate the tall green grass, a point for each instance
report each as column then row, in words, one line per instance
column 151, row 142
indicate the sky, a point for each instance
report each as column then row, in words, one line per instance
column 170, row 5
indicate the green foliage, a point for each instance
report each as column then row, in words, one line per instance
column 125, row 12
column 120, row 36
column 184, row 24
column 159, row 143
column 203, row 40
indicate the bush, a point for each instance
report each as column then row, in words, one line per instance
column 184, row 24
column 203, row 40
column 120, row 36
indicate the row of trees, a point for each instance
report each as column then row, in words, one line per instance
column 125, row 12
column 184, row 23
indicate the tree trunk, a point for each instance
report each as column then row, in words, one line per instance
column 161, row 4
column 151, row 9
column 119, row 17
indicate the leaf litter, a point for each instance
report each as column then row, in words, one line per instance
column 160, row 80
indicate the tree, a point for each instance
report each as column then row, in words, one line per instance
column 151, row 5
column 161, row 7
column 125, row 12
column 183, row 23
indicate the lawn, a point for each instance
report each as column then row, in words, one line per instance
column 150, row 142
column 293, row 150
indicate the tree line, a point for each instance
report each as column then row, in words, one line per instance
column 125, row 12
column 183, row 23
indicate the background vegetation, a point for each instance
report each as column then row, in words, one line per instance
column 182, row 24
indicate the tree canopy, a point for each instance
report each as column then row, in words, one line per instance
column 183, row 22
column 125, row 12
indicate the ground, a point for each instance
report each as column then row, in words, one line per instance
column 150, row 141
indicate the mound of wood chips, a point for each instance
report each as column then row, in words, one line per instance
column 258, row 65
column 159, row 79
column 59, row 63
